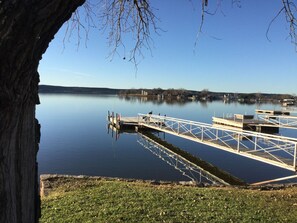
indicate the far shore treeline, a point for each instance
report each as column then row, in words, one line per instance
column 170, row 94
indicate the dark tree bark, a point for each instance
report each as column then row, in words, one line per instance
column 26, row 28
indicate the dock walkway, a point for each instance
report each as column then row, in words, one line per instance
column 276, row 150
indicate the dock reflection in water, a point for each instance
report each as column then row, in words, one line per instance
column 190, row 170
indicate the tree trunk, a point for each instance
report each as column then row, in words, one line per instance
column 26, row 28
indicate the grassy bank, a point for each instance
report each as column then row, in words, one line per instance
column 106, row 200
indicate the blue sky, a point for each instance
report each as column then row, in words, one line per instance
column 232, row 54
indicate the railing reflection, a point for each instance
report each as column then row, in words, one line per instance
column 187, row 168
column 196, row 170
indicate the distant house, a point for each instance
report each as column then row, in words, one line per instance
column 160, row 96
column 144, row 93
column 193, row 97
column 288, row 102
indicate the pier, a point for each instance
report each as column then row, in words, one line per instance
column 280, row 119
column 120, row 122
column 245, row 122
column 275, row 150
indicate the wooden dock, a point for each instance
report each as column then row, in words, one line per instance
column 245, row 122
column 120, row 122
column 238, row 121
column 281, row 119
column 272, row 112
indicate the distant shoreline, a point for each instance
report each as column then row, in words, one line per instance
column 49, row 89
column 170, row 94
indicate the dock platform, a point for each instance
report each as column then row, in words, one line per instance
column 271, row 112
column 120, row 122
column 245, row 122
column 281, row 119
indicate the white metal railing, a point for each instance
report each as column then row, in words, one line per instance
column 282, row 121
column 272, row 149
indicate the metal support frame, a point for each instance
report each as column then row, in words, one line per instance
column 271, row 149
column 281, row 121
column 274, row 180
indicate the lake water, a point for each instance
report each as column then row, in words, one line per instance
column 75, row 139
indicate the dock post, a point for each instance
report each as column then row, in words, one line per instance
column 117, row 123
column 238, row 142
column 256, row 140
column 295, row 154
column 112, row 117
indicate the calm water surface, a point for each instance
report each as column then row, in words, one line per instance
column 75, row 139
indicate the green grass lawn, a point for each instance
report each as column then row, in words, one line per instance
column 103, row 200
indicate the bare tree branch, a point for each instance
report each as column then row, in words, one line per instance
column 289, row 8
column 204, row 12
column 76, row 24
column 135, row 19
column 272, row 21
